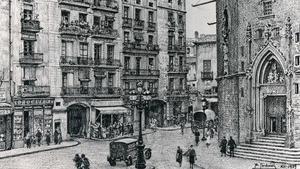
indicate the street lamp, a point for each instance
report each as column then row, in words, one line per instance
column 204, row 107
column 140, row 99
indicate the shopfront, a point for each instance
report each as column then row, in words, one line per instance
column 5, row 126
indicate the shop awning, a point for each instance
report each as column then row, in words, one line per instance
column 113, row 110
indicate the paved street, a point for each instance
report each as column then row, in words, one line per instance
column 163, row 143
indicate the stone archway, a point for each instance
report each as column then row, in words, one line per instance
column 269, row 91
column 77, row 120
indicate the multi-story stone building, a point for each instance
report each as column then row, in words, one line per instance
column 202, row 62
column 172, row 59
column 67, row 63
column 258, row 60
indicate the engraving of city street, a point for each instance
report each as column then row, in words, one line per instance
column 150, row 84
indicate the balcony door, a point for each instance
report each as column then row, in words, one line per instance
column 138, row 65
column 97, row 53
column 28, row 48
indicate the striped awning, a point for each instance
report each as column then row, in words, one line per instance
column 113, row 110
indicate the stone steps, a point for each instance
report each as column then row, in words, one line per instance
column 269, row 149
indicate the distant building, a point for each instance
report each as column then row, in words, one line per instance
column 202, row 61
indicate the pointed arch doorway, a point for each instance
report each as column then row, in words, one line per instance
column 269, row 93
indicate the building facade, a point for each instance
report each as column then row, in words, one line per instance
column 201, row 78
column 258, row 60
column 172, row 59
column 68, row 65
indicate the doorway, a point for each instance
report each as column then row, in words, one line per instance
column 77, row 120
column 275, row 108
column 26, row 123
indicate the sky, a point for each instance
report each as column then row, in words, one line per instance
column 198, row 17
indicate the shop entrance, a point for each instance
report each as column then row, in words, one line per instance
column 77, row 120
column 26, row 123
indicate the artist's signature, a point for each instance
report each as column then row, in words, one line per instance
column 273, row 166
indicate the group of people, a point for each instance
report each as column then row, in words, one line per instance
column 81, row 162
column 191, row 156
column 37, row 138
column 112, row 131
column 209, row 135
column 231, row 145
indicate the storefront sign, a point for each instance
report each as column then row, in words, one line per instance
column 34, row 102
column 98, row 103
column 4, row 112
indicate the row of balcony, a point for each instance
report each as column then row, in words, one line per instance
column 207, row 75
column 84, row 61
column 176, row 48
column 177, row 69
column 108, row 5
column 130, row 46
column 172, row 26
column 84, row 29
column 138, row 24
column 31, row 58
column 141, row 72
column 44, row 91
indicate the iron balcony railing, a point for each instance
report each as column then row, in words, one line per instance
column 30, row 25
column 176, row 48
column 177, row 92
column 91, row 91
column 97, row 31
column 139, row 24
column 83, row 3
column 178, row 69
column 153, row 91
column 141, row 72
column 151, row 26
column 77, row 61
column 33, row 91
column 109, row 5
column 207, row 75
column 140, row 46
column 70, row 60
column 127, row 22
column 31, row 58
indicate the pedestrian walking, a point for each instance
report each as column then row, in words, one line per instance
column 85, row 162
column 56, row 136
column 192, row 157
column 231, row 145
column 223, row 147
column 131, row 129
column 39, row 137
column 179, row 156
column 48, row 137
column 28, row 140
column 78, row 161
column 182, row 128
column 197, row 135
column 208, row 141
column 60, row 136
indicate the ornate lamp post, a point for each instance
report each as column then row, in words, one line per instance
column 204, row 107
column 140, row 99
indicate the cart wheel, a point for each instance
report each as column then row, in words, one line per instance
column 148, row 154
column 129, row 161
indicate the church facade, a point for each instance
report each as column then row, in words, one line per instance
column 258, row 69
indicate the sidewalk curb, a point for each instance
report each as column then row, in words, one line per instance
column 112, row 139
column 38, row 151
column 172, row 129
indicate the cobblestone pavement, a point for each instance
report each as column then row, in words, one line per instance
column 163, row 144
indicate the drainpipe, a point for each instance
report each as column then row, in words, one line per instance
column 10, row 70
